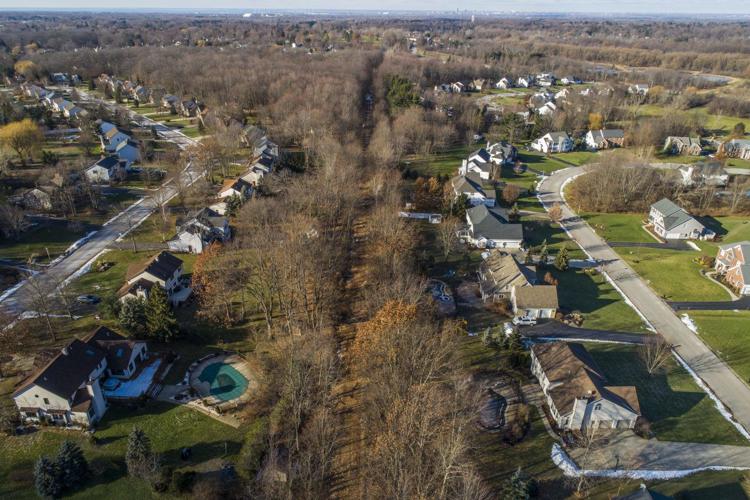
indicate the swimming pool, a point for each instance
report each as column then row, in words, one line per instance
column 226, row 382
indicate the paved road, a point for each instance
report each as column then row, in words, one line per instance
column 23, row 298
column 729, row 388
column 626, row 451
column 560, row 331
column 720, row 305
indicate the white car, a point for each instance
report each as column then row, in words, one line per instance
column 524, row 321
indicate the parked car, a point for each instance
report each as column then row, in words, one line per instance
column 524, row 321
column 88, row 299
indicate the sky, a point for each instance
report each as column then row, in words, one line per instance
column 546, row 6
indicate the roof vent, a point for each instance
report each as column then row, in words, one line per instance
column 66, row 350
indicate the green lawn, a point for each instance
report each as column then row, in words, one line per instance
column 673, row 274
column 619, row 227
column 169, row 428
column 526, row 180
column 727, row 333
column 443, row 163
column 602, row 307
column 676, row 407
column 551, row 163
column 55, row 236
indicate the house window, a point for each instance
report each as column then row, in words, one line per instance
column 598, row 406
column 46, row 401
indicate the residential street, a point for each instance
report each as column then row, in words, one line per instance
column 732, row 391
column 23, row 298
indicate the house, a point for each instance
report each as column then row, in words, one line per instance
column 190, row 107
column 673, row 223
column 732, row 264
column 562, row 95
column 483, row 170
column 199, row 231
column 490, row 228
column 170, row 102
column 547, row 109
column 236, row 187
column 553, row 142
column 570, row 80
column 524, row 82
column 535, row 302
column 33, row 199
column 605, row 138
column 75, row 113
column 704, row 174
column 473, row 187
column 458, row 87
column 683, row 146
column 164, row 270
column 587, row 92
column 478, row 84
column 638, row 89
column 480, row 156
column 141, row 94
column 129, row 152
column 106, row 170
column 67, row 390
column 735, row 148
column 105, row 127
column 576, row 389
column 502, row 153
column 504, row 83
column 502, row 271
column 545, row 80
column 112, row 138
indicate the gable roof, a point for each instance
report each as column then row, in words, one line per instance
column 482, row 154
column 573, row 374
column 236, row 184
column 162, row 265
column 67, row 371
column 501, row 272
column 536, row 297
column 672, row 214
column 492, row 224
column 472, row 183
column 107, row 162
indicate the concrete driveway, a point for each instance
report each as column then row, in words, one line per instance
column 729, row 388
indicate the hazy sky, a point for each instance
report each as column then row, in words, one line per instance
column 603, row 6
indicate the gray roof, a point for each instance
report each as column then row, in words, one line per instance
column 482, row 153
column 673, row 215
column 492, row 224
column 501, row 272
column 559, row 136
column 472, row 183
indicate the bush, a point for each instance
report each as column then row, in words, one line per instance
column 182, row 482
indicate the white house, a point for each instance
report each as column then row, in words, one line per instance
column 473, row 187
column 106, row 170
column 553, row 142
column 576, row 389
column 236, row 187
column 164, row 270
column 128, row 152
column 490, row 228
column 199, row 231
column 503, row 83
column 67, row 391
column 548, row 108
column 673, row 223
column 605, row 138
column 458, row 87
column 735, row 148
column 638, row 89
column 535, row 302
column 502, row 153
column 112, row 138
column 524, row 82
column 704, row 174
column 483, row 170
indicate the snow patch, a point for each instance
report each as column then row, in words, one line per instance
column 573, row 339
column 717, row 403
column 694, row 246
column 72, row 248
column 688, row 322
column 571, row 469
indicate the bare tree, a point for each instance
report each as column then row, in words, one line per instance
column 655, row 352
column 41, row 299
column 447, row 233
column 555, row 212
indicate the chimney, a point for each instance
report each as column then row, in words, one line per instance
column 66, row 350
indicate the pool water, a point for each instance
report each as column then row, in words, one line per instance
column 226, row 382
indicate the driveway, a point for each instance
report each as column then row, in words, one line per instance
column 554, row 330
column 23, row 298
column 715, row 373
column 669, row 245
column 722, row 305
column 626, row 451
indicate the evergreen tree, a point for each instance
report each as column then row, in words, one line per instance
column 133, row 315
column 234, row 203
column 562, row 260
column 543, row 252
column 72, row 466
column 519, row 487
column 139, row 454
column 47, row 479
column 160, row 321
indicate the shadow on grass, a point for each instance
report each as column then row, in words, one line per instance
column 577, row 291
column 726, row 491
column 713, row 224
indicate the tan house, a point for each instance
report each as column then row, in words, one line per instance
column 534, row 302
column 500, row 273
column 576, row 390
column 732, row 264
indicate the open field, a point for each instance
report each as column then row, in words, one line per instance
column 444, row 163
column 728, row 334
column 619, row 227
column 550, row 163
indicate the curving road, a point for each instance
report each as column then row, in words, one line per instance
column 729, row 388
column 22, row 299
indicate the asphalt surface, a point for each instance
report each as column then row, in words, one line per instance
column 554, row 330
column 729, row 388
column 23, row 298
column 669, row 245
column 742, row 303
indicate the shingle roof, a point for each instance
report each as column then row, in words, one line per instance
column 573, row 374
column 162, row 265
column 481, row 153
column 673, row 215
column 501, row 272
column 117, row 347
column 492, row 224
column 536, row 297
column 472, row 183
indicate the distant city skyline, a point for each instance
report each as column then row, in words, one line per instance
column 667, row 7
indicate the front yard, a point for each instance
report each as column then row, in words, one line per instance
column 726, row 332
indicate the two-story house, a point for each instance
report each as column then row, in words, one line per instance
column 491, row 228
column 553, row 142
column 732, row 263
column 198, row 232
column 673, row 223
column 576, row 389
column 163, row 269
column 67, row 390
column 472, row 185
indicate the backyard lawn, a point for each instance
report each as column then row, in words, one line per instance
column 619, row 227
column 727, row 333
column 54, row 236
column 551, row 163
column 442, row 163
column 169, row 428
column 676, row 407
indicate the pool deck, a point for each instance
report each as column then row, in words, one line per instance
column 204, row 388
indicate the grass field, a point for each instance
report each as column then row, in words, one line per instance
column 55, row 236
column 727, row 333
column 619, row 227
column 169, row 428
column 551, row 163
column 676, row 407
column 444, row 163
